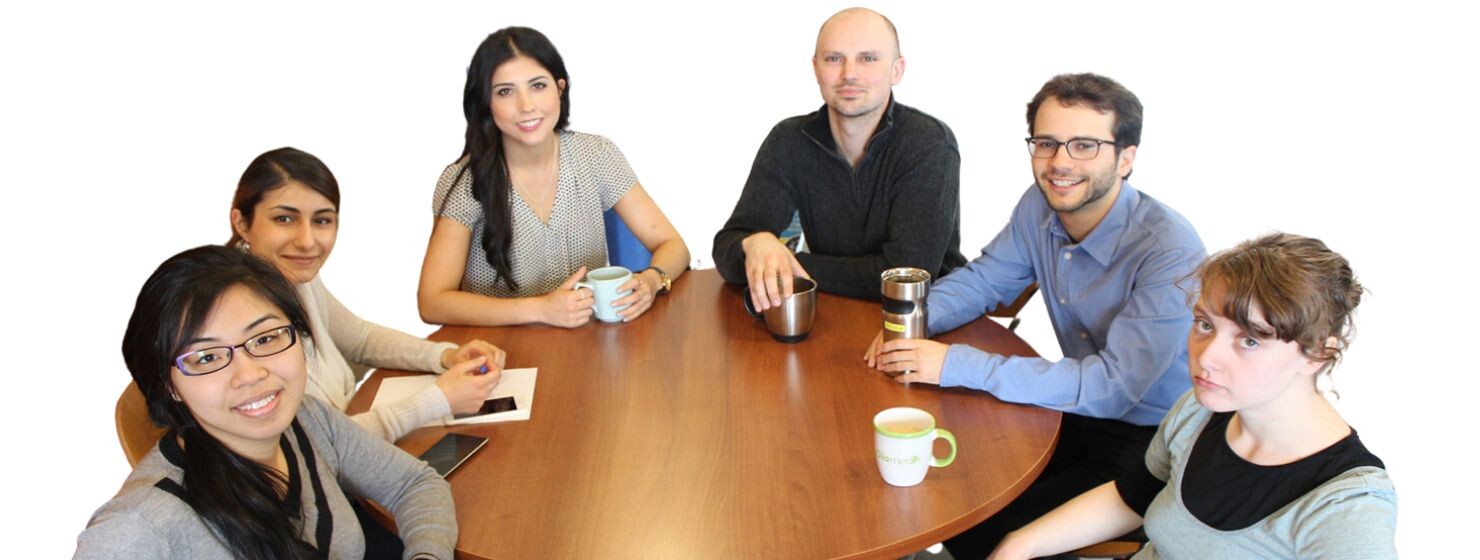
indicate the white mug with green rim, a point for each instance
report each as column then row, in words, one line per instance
column 904, row 441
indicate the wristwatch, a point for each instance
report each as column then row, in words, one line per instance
column 665, row 283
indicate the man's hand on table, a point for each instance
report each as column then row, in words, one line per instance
column 922, row 358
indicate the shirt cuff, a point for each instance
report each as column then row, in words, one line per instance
column 434, row 356
column 966, row 367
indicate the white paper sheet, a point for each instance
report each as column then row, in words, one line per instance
column 517, row 383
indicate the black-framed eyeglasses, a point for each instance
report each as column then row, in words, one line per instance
column 216, row 358
column 1079, row 148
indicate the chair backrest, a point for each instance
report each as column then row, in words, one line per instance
column 137, row 434
column 1121, row 548
column 1010, row 311
column 622, row 246
column 1108, row 549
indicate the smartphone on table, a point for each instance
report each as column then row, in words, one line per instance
column 451, row 451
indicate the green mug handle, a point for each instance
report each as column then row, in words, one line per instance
column 941, row 433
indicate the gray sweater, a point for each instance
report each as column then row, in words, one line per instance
column 146, row 521
column 1351, row 516
column 899, row 207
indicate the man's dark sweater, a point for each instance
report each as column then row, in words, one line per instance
column 900, row 207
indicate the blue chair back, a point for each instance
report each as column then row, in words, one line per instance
column 622, row 246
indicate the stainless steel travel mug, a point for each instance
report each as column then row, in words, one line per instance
column 904, row 291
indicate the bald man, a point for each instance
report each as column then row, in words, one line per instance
column 876, row 184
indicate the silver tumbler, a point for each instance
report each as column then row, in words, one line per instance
column 904, row 291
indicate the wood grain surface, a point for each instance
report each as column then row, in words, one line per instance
column 690, row 433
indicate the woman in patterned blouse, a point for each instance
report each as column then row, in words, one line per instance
column 519, row 214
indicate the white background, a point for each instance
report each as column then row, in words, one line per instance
column 126, row 126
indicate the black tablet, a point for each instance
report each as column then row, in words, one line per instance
column 491, row 406
column 451, row 451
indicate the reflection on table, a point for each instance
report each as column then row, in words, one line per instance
column 690, row 433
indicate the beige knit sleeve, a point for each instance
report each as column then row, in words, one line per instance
column 366, row 343
column 392, row 421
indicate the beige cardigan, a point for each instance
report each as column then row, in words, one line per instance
column 341, row 338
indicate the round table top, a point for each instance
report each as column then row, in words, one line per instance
column 690, row 433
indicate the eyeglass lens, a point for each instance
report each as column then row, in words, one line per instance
column 1044, row 148
column 261, row 345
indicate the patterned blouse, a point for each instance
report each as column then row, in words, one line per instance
column 594, row 175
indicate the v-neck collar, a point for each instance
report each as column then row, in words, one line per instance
column 548, row 223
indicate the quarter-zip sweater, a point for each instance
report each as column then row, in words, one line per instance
column 899, row 207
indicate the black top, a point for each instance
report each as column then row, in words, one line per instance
column 169, row 447
column 1228, row 493
column 899, row 207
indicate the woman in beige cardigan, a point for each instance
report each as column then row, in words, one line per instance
column 286, row 211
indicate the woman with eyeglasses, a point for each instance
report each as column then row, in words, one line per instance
column 249, row 467
column 519, row 214
column 1254, row 462
column 286, row 211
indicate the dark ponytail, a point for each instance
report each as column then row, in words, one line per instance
column 240, row 499
column 483, row 146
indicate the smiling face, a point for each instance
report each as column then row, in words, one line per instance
column 1236, row 370
column 526, row 101
column 857, row 63
column 1079, row 187
column 293, row 227
column 251, row 401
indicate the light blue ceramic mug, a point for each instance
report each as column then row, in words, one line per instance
column 603, row 283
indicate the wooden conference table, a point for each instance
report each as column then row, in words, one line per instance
column 690, row 433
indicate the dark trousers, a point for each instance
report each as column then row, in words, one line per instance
column 379, row 541
column 1091, row 452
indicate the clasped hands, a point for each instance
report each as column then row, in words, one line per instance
column 466, row 383
column 571, row 306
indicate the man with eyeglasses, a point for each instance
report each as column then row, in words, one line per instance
column 875, row 184
column 1113, row 265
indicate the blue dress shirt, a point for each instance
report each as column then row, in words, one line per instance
column 1118, row 301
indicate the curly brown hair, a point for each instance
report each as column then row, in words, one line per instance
column 1306, row 291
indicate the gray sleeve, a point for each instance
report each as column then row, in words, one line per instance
column 121, row 534
column 1356, row 522
column 1159, row 452
column 369, row 467
column 1139, row 485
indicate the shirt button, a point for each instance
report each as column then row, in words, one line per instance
column 1068, row 256
column 1084, row 336
column 1062, row 302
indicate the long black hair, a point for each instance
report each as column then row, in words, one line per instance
column 236, row 496
column 483, row 145
column 271, row 171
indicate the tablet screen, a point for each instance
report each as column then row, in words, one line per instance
column 451, row 451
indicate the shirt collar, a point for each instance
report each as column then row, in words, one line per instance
column 1102, row 243
column 820, row 130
